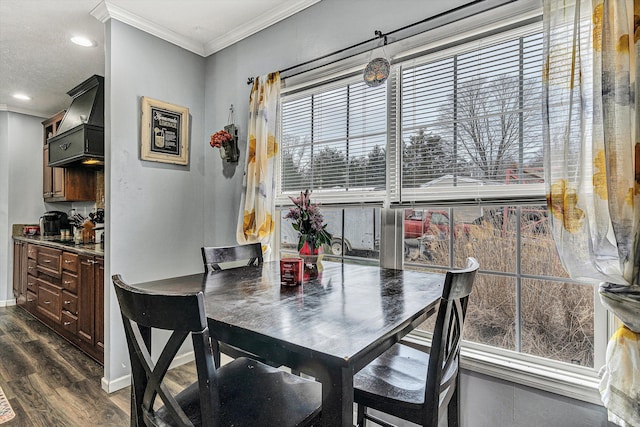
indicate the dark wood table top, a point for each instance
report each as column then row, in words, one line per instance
column 337, row 316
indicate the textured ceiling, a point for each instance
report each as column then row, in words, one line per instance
column 37, row 58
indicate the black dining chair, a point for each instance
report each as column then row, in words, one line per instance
column 212, row 258
column 244, row 392
column 412, row 384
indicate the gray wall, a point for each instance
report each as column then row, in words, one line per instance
column 154, row 210
column 20, row 192
column 491, row 402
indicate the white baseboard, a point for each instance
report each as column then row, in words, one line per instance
column 115, row 385
column 125, row 381
column 8, row 303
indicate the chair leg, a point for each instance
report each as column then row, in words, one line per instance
column 453, row 409
column 360, row 416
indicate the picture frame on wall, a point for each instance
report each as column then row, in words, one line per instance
column 164, row 132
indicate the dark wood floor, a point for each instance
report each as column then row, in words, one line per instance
column 50, row 383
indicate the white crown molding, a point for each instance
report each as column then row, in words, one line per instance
column 22, row 110
column 260, row 23
column 105, row 11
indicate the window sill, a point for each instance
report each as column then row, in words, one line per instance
column 575, row 382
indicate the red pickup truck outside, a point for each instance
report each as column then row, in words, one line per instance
column 419, row 223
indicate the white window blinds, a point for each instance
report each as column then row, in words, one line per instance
column 470, row 123
column 459, row 125
column 334, row 143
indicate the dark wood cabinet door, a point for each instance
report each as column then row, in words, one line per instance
column 99, row 304
column 59, row 181
column 24, row 272
column 86, row 299
column 17, row 269
column 47, row 174
column 20, row 264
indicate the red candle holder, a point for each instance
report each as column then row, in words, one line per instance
column 291, row 270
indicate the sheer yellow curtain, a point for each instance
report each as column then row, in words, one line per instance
column 592, row 166
column 257, row 206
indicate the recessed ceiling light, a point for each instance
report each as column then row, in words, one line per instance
column 22, row 97
column 83, row 41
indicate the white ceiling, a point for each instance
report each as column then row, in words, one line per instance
column 38, row 59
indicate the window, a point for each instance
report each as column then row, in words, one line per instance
column 334, row 142
column 454, row 142
column 355, row 232
column 523, row 300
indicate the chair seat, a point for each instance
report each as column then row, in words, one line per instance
column 398, row 375
column 286, row 400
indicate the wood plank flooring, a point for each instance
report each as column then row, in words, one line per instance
column 50, row 383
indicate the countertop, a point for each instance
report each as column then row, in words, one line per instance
column 54, row 242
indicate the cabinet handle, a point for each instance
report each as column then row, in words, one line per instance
column 30, row 268
column 46, row 302
column 30, row 300
column 67, row 282
column 46, row 261
column 90, row 261
column 66, row 323
column 67, row 302
column 66, row 261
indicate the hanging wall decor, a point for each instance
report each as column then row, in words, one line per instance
column 164, row 132
column 377, row 70
column 226, row 140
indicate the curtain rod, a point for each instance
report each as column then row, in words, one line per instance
column 380, row 35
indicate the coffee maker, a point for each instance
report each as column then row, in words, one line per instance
column 52, row 222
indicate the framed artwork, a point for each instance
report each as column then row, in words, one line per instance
column 165, row 132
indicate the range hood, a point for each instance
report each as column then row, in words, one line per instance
column 80, row 137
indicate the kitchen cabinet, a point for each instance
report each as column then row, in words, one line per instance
column 63, row 287
column 91, row 302
column 20, row 265
column 64, row 184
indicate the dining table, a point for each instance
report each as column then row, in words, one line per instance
column 329, row 327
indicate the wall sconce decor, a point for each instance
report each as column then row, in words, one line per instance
column 226, row 140
column 377, row 70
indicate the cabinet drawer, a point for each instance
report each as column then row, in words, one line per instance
column 32, row 251
column 69, row 302
column 69, row 322
column 70, row 262
column 70, row 282
column 32, row 284
column 32, row 301
column 32, row 267
column 49, row 300
column 50, row 261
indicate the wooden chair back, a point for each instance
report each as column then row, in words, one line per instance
column 183, row 315
column 442, row 374
column 214, row 256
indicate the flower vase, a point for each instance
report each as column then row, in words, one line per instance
column 311, row 257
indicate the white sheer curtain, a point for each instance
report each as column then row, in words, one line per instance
column 257, row 206
column 592, row 164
